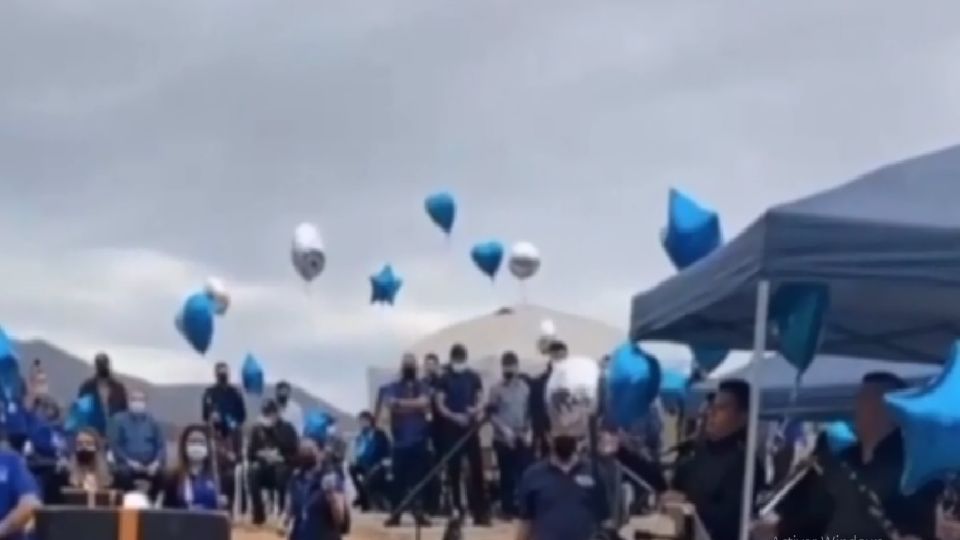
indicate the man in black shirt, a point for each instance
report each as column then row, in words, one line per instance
column 539, row 420
column 830, row 504
column 432, row 378
column 459, row 402
column 272, row 454
column 711, row 476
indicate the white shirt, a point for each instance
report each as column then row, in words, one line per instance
column 292, row 412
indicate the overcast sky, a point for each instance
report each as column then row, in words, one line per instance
column 147, row 145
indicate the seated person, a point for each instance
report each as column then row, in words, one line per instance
column 368, row 471
column 88, row 472
column 194, row 485
column 271, row 454
column 46, row 452
column 138, row 446
column 318, row 509
column 18, row 496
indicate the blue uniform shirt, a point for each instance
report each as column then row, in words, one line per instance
column 561, row 505
column 16, row 482
column 200, row 492
column 409, row 428
column 312, row 517
column 461, row 390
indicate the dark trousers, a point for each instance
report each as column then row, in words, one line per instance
column 541, row 442
column 273, row 478
column 433, row 493
column 371, row 485
column 476, row 484
column 410, row 463
column 51, row 480
column 126, row 479
column 512, row 460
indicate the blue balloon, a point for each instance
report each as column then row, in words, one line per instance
column 317, row 425
column 442, row 209
column 632, row 383
column 251, row 375
column 80, row 414
column 384, row 286
column 707, row 359
column 488, row 256
column 8, row 356
column 840, row 436
column 692, row 231
column 929, row 419
column 798, row 311
column 674, row 386
column 195, row 321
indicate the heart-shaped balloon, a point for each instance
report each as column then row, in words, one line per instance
column 442, row 209
column 488, row 256
column 195, row 321
column 252, row 376
column 632, row 382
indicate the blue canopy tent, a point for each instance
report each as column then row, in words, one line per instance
column 887, row 245
column 828, row 390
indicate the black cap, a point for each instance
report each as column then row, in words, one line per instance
column 458, row 352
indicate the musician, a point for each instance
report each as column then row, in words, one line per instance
column 711, row 476
column 194, row 485
column 831, row 504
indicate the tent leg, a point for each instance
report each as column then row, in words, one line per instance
column 759, row 350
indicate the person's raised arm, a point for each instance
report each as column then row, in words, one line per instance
column 27, row 500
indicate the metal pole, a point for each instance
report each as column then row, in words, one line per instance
column 759, row 349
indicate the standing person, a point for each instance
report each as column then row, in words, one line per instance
column 408, row 400
column 272, row 454
column 138, row 445
column 711, row 476
column 510, row 405
column 290, row 410
column 368, row 471
column 318, row 508
column 433, row 377
column 540, row 421
column 109, row 394
column 460, row 403
column 224, row 412
column 19, row 499
column 560, row 497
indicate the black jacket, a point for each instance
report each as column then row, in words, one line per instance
column 227, row 401
column 831, row 504
column 116, row 400
column 711, row 478
column 281, row 436
column 539, row 419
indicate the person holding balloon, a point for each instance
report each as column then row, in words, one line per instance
column 109, row 395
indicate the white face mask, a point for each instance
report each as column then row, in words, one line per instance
column 42, row 390
column 458, row 366
column 138, row 406
column 196, row 452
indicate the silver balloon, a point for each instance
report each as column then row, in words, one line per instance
column 524, row 260
column 307, row 254
column 572, row 395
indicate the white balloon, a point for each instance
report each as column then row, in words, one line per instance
column 217, row 290
column 307, row 253
column 524, row 260
column 572, row 394
column 548, row 332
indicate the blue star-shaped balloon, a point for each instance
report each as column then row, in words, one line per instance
column 384, row 286
column 929, row 419
column 251, row 375
column 488, row 256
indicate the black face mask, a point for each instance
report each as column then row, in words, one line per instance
column 307, row 461
column 85, row 456
column 564, row 447
column 221, row 378
column 409, row 373
column 103, row 371
column 509, row 375
column 282, row 399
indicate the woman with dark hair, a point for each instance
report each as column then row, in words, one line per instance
column 194, row 484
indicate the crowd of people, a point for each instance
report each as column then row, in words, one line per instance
column 119, row 446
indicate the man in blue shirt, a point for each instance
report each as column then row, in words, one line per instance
column 371, row 451
column 18, row 496
column 138, row 446
column 459, row 401
column 408, row 401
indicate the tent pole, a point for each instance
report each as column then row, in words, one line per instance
column 759, row 350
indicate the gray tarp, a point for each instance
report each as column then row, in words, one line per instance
column 887, row 244
column 827, row 391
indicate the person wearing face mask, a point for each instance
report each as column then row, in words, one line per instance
column 432, row 378
column 318, row 509
column 371, row 450
column 222, row 404
column 88, row 470
column 560, row 497
column 194, row 485
column 272, row 455
column 408, row 401
column 460, row 404
column 138, row 446
column 555, row 351
column 46, row 449
column 290, row 410
column 109, row 394
column 509, row 402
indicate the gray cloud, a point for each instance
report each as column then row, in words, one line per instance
column 203, row 132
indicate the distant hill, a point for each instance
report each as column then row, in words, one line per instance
column 175, row 405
